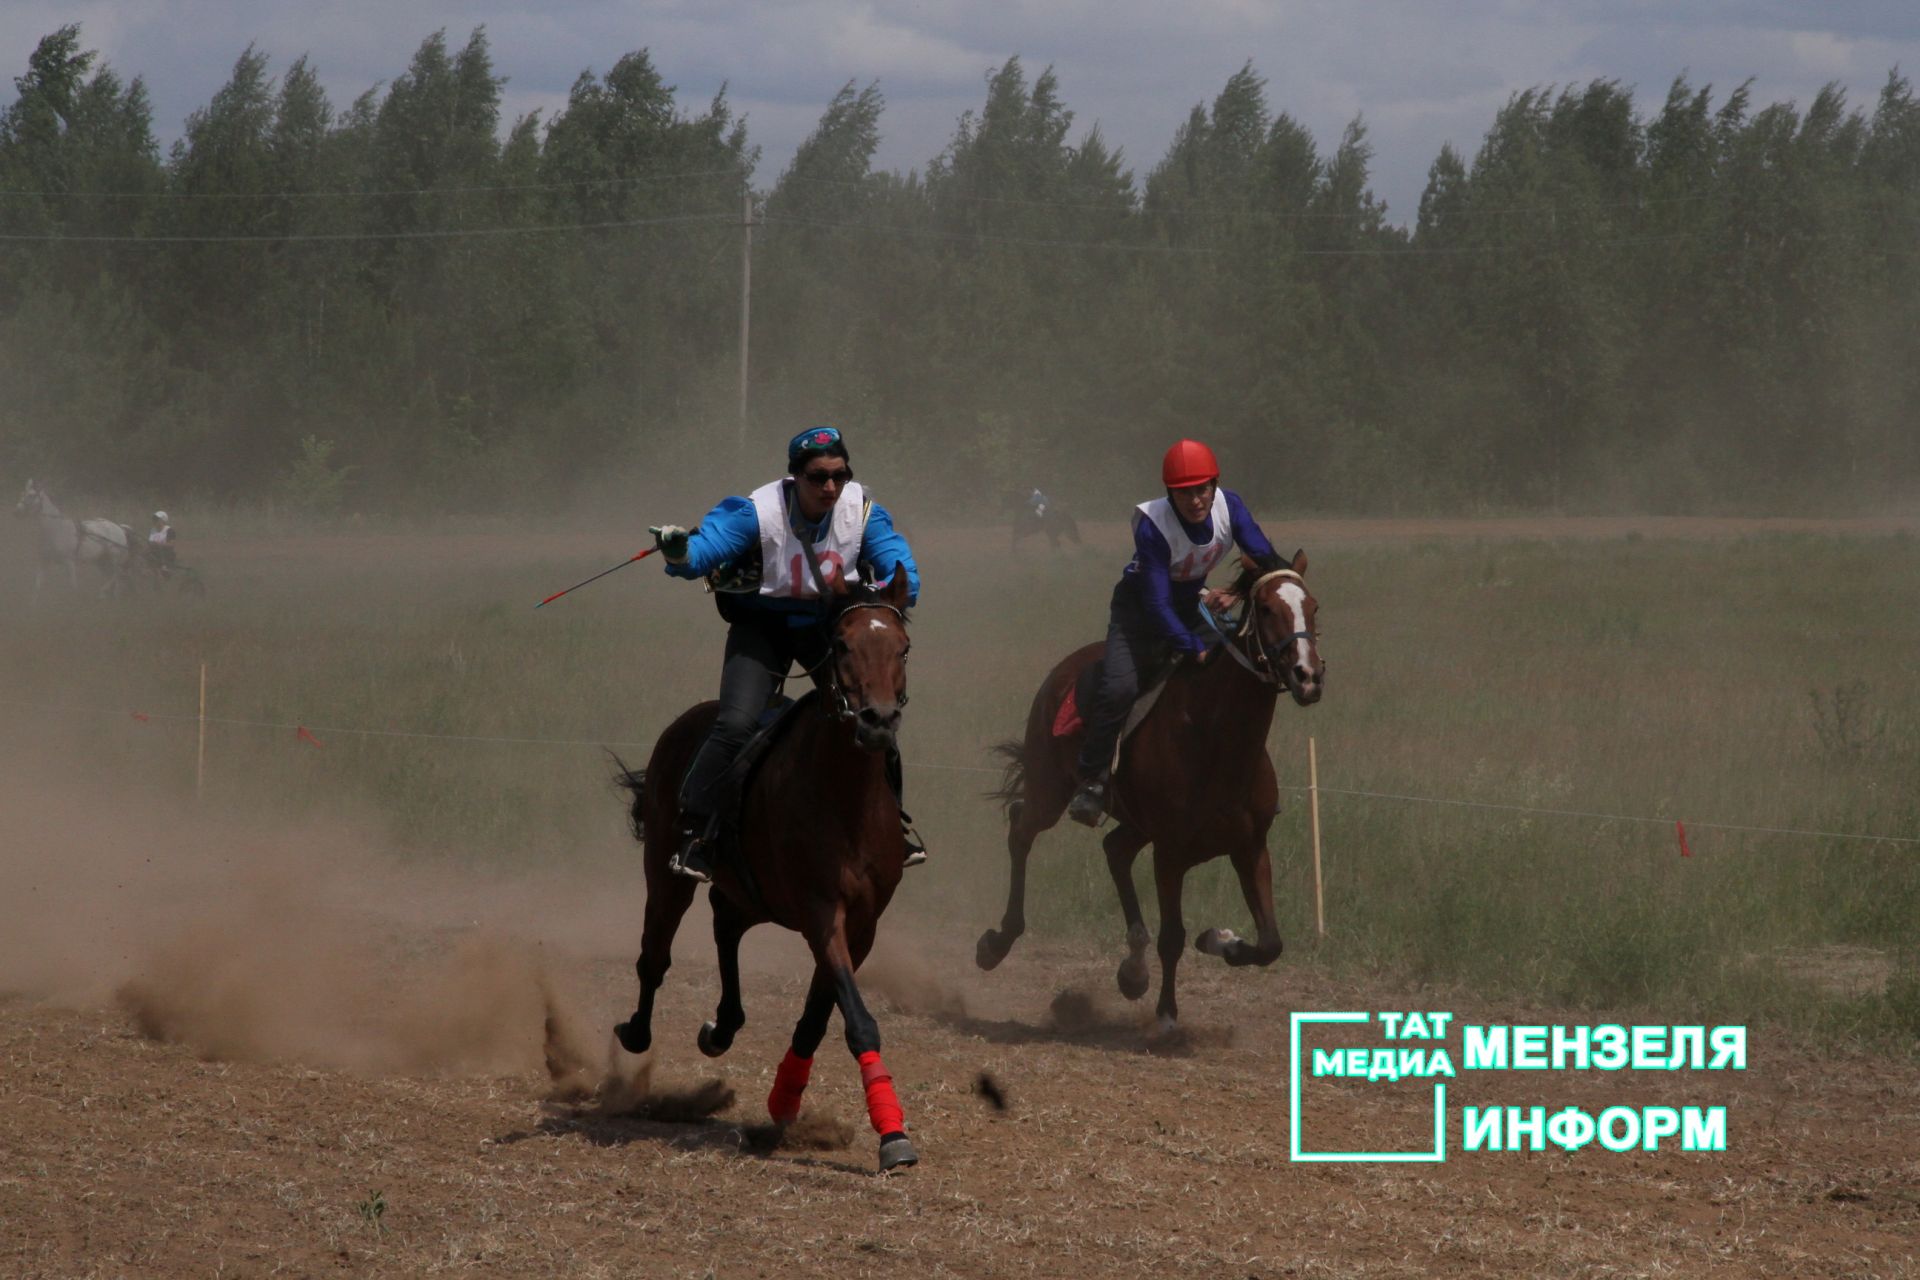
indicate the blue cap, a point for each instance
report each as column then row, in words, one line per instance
column 810, row 439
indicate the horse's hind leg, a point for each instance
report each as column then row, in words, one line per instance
column 1040, row 809
column 1123, row 844
column 668, row 897
column 716, row 1037
column 863, row 1041
column 994, row 944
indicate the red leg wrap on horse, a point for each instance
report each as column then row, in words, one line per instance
column 789, row 1082
column 883, row 1107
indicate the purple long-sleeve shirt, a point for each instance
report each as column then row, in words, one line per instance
column 1174, row 607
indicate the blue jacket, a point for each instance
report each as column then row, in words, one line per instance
column 732, row 530
column 1173, row 608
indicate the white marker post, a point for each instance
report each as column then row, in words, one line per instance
column 1313, row 793
column 200, row 763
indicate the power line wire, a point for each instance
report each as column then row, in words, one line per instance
column 333, row 236
column 347, row 192
column 1408, row 251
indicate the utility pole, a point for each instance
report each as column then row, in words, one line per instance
column 746, row 300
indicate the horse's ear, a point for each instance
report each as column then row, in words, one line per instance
column 1300, row 562
column 898, row 590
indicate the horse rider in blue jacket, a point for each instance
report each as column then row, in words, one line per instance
column 753, row 551
column 1155, row 611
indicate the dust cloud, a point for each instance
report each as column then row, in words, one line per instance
column 263, row 942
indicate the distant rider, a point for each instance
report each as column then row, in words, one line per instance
column 1155, row 610
column 751, row 550
column 160, row 545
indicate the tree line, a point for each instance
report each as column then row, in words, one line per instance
column 1711, row 305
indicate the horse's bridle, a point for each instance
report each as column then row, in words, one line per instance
column 1263, row 666
column 843, row 709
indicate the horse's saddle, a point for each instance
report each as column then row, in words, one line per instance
column 779, row 715
column 1069, row 720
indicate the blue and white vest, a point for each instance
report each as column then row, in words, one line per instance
column 783, row 556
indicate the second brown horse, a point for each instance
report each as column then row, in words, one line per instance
column 1194, row 781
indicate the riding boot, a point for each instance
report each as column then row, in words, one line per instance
column 896, row 779
column 692, row 857
column 1089, row 804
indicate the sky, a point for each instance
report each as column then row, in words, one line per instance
column 1421, row 72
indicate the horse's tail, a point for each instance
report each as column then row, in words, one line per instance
column 635, row 781
column 1013, row 782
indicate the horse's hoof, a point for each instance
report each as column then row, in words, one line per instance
column 711, row 1042
column 990, row 951
column 634, row 1036
column 1216, row 942
column 1133, row 977
column 897, row 1153
column 1164, row 1026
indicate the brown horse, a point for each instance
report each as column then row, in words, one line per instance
column 819, row 851
column 1194, row 780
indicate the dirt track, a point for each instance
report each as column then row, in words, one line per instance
column 129, row 1156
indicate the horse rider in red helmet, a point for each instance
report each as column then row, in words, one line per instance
column 1155, row 612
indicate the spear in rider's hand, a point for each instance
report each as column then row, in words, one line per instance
column 604, row 572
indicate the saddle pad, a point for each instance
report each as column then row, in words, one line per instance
column 1067, row 721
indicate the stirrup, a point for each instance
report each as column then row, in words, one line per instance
column 690, row 859
column 1089, row 804
column 916, row 848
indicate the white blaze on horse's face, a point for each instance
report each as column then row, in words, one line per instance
column 1296, row 661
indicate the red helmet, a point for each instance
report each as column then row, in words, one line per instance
column 1188, row 463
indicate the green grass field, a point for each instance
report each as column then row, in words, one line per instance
column 1764, row 681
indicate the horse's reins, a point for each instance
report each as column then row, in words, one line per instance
column 843, row 709
column 1264, row 670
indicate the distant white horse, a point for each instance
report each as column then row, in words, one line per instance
column 69, row 542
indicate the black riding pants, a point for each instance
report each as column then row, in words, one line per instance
column 1136, row 653
column 760, row 650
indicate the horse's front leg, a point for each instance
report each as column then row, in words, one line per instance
column 1255, row 869
column 1123, row 844
column 1169, row 877
column 790, row 1081
column 863, row 1041
column 716, row 1037
column 668, row 897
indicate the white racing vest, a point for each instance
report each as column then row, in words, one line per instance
column 783, row 557
column 1192, row 561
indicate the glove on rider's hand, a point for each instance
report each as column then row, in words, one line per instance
column 672, row 541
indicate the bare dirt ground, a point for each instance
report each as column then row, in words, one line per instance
column 439, row 1143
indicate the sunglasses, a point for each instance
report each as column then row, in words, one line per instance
column 821, row 479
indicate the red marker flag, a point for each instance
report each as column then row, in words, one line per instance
column 1681, row 827
column 300, row 732
column 141, row 716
